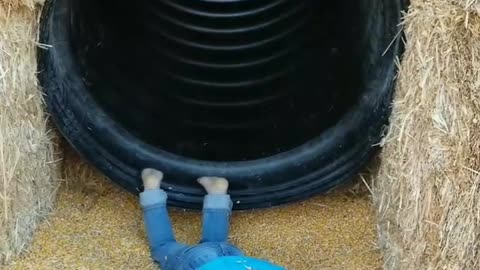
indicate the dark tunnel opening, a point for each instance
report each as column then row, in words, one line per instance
column 222, row 80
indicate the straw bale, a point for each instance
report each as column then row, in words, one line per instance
column 15, row 4
column 28, row 172
column 427, row 192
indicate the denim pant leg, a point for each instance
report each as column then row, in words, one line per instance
column 158, row 226
column 216, row 218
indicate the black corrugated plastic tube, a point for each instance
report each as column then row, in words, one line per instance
column 286, row 98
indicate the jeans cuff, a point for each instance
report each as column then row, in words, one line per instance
column 217, row 201
column 153, row 197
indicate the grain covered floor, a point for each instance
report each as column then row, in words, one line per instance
column 98, row 226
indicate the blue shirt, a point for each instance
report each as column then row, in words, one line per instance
column 239, row 263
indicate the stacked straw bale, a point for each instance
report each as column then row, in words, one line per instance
column 427, row 192
column 28, row 174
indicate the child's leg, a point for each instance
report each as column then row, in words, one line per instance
column 217, row 208
column 157, row 222
column 216, row 218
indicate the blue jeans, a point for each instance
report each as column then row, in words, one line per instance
column 172, row 255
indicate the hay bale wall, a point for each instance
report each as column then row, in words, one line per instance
column 428, row 189
column 28, row 173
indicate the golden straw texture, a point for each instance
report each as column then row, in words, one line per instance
column 15, row 4
column 427, row 192
column 28, row 175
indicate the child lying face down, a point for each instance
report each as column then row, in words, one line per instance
column 214, row 251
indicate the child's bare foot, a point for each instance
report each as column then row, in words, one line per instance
column 152, row 178
column 214, row 185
